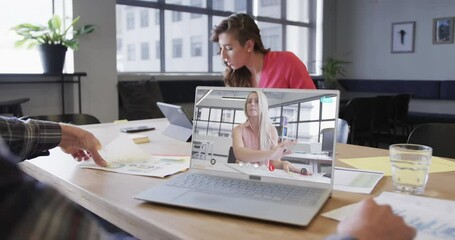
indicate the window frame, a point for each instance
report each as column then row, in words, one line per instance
column 161, row 5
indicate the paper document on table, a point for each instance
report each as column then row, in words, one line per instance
column 382, row 164
column 432, row 218
column 124, row 156
column 354, row 180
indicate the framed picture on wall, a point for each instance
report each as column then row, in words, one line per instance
column 442, row 30
column 403, row 37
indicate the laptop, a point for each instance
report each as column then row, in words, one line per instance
column 249, row 189
column 180, row 125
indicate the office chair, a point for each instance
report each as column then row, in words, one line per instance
column 327, row 140
column 76, row 118
column 231, row 156
column 439, row 136
column 400, row 116
column 358, row 114
column 13, row 107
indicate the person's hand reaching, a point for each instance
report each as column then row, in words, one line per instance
column 372, row 221
column 81, row 144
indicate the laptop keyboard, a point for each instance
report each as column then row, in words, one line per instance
column 249, row 189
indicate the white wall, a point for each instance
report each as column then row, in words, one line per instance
column 97, row 57
column 363, row 36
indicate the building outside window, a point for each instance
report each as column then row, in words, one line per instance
column 157, row 50
column 131, row 54
column 145, row 54
column 130, row 21
column 157, row 17
column 196, row 46
column 196, row 3
column 144, row 18
column 176, row 16
column 283, row 28
column 177, row 48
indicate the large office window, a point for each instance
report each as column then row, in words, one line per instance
column 288, row 25
column 12, row 13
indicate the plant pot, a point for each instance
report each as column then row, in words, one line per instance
column 52, row 57
column 326, row 85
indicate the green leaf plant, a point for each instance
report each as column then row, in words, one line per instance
column 53, row 33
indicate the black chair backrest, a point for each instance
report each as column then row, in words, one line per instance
column 137, row 100
column 231, row 156
column 401, row 102
column 439, row 136
column 76, row 118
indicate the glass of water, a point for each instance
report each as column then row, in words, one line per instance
column 410, row 167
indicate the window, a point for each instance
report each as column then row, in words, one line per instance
column 176, row 16
column 130, row 21
column 144, row 18
column 177, row 48
column 157, row 50
column 119, row 44
column 218, row 4
column 267, row 3
column 157, row 17
column 240, row 6
column 270, row 34
column 145, row 51
column 131, row 55
column 196, row 3
column 196, row 46
column 284, row 27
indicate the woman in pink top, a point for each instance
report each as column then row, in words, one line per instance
column 249, row 64
column 256, row 140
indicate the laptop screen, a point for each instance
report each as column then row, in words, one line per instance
column 228, row 123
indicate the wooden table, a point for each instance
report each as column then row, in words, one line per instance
column 110, row 195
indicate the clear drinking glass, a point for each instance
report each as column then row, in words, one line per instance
column 410, row 167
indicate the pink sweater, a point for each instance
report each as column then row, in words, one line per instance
column 284, row 70
column 251, row 138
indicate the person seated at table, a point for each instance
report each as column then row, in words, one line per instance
column 30, row 209
column 256, row 140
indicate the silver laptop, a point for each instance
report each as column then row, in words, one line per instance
column 218, row 182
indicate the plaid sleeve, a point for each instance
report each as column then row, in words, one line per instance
column 31, row 137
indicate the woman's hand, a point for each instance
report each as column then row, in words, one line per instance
column 282, row 149
column 287, row 167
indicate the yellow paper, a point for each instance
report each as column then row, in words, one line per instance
column 382, row 164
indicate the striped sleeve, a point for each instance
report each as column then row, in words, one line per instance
column 31, row 137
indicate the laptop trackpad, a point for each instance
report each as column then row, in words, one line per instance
column 200, row 198
column 243, row 207
column 218, row 203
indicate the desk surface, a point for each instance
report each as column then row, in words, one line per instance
column 109, row 195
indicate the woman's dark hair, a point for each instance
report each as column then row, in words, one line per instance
column 243, row 28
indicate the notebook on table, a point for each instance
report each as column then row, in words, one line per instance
column 249, row 189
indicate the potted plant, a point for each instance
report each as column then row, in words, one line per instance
column 53, row 40
column 331, row 70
